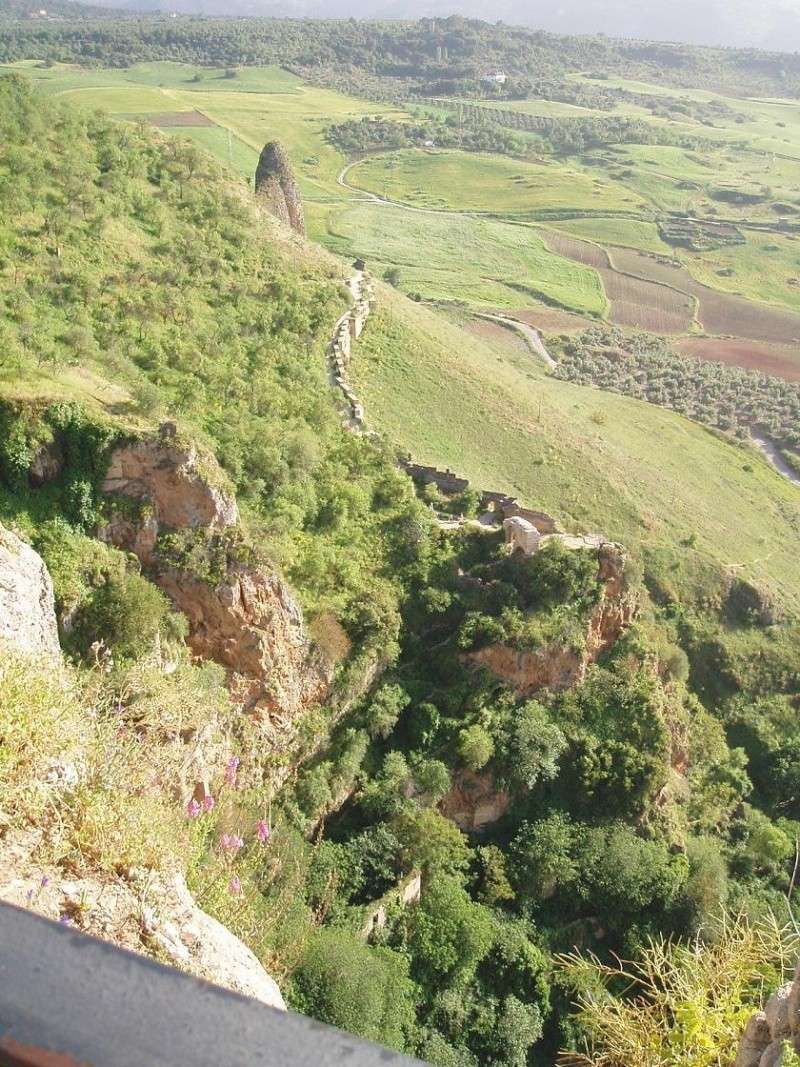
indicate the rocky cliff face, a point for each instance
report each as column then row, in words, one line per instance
column 474, row 801
column 155, row 913
column 769, row 1033
column 247, row 618
column 250, row 623
column 27, row 604
column 276, row 187
column 558, row 667
column 181, row 489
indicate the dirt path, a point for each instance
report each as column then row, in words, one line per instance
column 772, row 453
column 532, row 337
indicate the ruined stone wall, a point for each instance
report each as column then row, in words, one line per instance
column 347, row 330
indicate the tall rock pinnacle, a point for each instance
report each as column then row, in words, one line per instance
column 276, row 187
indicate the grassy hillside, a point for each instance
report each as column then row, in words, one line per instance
column 600, row 462
column 138, row 280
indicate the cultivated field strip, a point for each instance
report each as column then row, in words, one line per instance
column 719, row 313
column 634, row 301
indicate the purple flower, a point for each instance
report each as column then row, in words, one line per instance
column 208, row 803
column 193, row 809
column 235, row 886
column 44, row 881
column 230, row 843
column 29, row 896
column 231, row 771
column 262, row 831
column 64, row 919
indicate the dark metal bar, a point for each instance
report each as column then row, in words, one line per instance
column 70, row 1000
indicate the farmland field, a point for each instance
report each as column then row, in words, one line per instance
column 482, row 182
column 602, row 254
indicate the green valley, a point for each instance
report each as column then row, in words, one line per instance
column 408, row 583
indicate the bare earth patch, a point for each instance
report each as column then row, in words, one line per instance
column 779, row 360
column 496, row 334
column 551, row 320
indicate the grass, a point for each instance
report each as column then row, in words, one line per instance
column 482, row 182
column 186, row 76
column 627, row 233
column 477, row 260
column 598, row 461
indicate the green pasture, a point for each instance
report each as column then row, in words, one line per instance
column 466, row 181
column 242, row 157
column 627, row 233
column 184, row 76
column 766, row 268
column 477, row 260
column 598, row 461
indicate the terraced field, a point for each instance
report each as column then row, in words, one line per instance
column 718, row 313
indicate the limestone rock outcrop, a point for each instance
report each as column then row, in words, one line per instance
column 183, row 489
column 276, row 187
column 474, row 801
column 27, row 604
column 769, row 1032
column 147, row 914
column 558, row 667
column 250, row 623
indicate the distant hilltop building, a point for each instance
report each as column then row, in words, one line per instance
column 497, row 77
column 277, row 189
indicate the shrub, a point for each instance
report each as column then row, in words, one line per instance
column 475, row 746
column 127, row 613
column 682, row 1003
column 363, row 990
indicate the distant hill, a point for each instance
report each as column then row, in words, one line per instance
column 774, row 24
column 43, row 10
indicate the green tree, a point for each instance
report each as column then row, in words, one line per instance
column 364, row 990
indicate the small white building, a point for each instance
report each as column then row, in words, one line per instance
column 522, row 534
column 496, row 77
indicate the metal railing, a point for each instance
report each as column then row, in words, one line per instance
column 70, row 1000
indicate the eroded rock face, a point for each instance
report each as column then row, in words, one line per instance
column 151, row 914
column 276, row 187
column 251, row 624
column 769, row 1032
column 27, row 604
column 474, row 801
column 185, row 490
column 558, row 667
column 247, row 619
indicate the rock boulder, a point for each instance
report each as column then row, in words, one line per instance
column 27, row 604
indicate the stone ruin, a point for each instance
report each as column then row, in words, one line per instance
column 277, row 189
column 347, row 330
column 522, row 534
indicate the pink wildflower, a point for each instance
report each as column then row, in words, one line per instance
column 208, row 803
column 231, row 771
column 230, row 843
column 235, row 886
column 262, row 831
column 193, row 809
